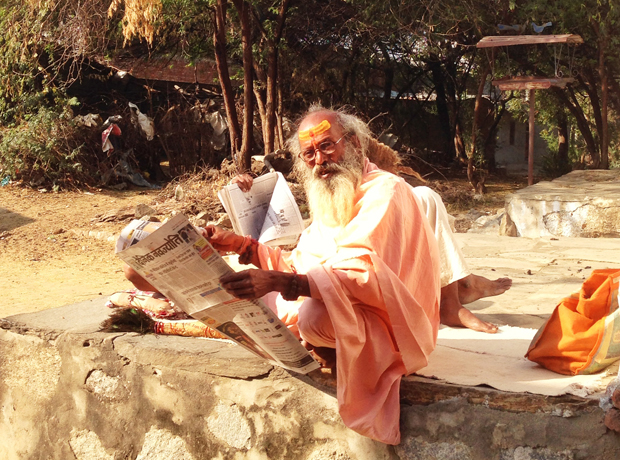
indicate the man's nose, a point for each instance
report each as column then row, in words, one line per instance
column 319, row 157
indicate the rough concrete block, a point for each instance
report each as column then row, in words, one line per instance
column 505, row 435
column 86, row 445
column 529, row 453
column 228, row 424
column 101, row 384
column 419, row 449
column 163, row 445
column 579, row 204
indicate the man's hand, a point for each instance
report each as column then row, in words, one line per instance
column 254, row 283
column 244, row 181
column 222, row 240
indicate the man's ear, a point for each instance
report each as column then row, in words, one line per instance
column 355, row 141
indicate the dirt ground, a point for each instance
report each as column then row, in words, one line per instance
column 55, row 251
column 47, row 258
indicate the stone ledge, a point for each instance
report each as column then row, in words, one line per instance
column 68, row 391
column 579, row 204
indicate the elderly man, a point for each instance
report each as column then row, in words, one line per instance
column 458, row 285
column 364, row 279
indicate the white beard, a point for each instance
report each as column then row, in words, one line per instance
column 332, row 200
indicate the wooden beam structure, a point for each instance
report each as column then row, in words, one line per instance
column 495, row 41
column 530, row 82
column 530, row 148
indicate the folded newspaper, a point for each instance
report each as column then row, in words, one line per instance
column 268, row 212
column 182, row 265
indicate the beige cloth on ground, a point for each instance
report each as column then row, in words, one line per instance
column 453, row 265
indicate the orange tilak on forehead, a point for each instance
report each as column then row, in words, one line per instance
column 314, row 131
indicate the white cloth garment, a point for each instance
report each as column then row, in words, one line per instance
column 453, row 265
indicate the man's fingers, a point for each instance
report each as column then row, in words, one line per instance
column 244, row 181
column 234, row 277
column 242, row 292
column 239, row 285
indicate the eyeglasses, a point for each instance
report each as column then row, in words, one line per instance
column 327, row 147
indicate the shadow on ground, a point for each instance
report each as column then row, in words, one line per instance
column 10, row 220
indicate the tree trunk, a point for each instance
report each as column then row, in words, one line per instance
column 454, row 104
column 591, row 87
column 604, row 133
column 471, row 176
column 262, row 113
column 442, row 111
column 245, row 160
column 271, row 80
column 563, row 141
column 219, row 41
column 279, row 120
column 478, row 110
column 459, row 144
column 270, row 105
column 602, row 32
column 388, row 81
column 582, row 123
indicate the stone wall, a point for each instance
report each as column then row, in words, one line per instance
column 69, row 392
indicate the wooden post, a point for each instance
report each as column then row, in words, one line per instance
column 530, row 156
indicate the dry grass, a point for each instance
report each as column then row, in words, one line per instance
column 195, row 194
column 199, row 193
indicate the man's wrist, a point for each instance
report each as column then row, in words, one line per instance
column 248, row 250
column 294, row 286
column 243, row 242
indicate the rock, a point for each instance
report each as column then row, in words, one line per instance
column 463, row 222
column 224, row 221
column 228, row 424
column 116, row 215
column 579, row 204
column 612, row 419
column 507, row 227
column 161, row 444
column 615, row 398
column 121, row 186
column 487, row 223
column 144, row 210
column 197, row 222
column 86, row 445
column 179, row 194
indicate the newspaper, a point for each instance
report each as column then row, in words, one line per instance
column 268, row 212
column 183, row 266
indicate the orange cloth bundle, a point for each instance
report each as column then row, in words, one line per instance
column 582, row 336
column 187, row 328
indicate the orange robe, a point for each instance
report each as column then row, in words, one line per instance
column 379, row 279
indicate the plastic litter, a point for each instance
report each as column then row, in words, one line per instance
column 145, row 123
column 605, row 402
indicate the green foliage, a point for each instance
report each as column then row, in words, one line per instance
column 41, row 47
column 46, row 149
column 551, row 164
column 337, row 52
column 185, row 27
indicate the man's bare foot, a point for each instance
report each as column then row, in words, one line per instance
column 474, row 287
column 464, row 318
column 325, row 356
column 453, row 314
